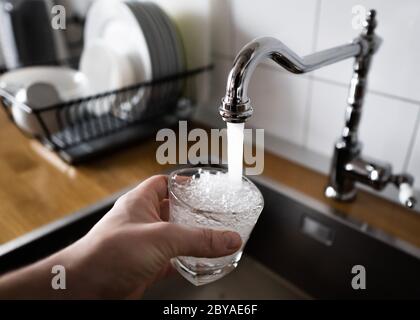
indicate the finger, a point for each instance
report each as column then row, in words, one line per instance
column 179, row 240
column 153, row 189
column 157, row 184
column 164, row 210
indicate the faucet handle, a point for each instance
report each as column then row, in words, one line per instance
column 370, row 23
column 406, row 195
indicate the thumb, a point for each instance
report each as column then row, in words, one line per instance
column 199, row 242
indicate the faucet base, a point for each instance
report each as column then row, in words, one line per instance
column 331, row 193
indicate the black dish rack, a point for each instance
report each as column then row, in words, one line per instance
column 79, row 130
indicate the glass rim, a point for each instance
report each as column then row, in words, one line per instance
column 194, row 209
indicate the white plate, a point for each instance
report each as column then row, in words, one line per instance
column 152, row 24
column 140, row 31
column 173, row 45
column 151, row 36
column 165, row 47
column 170, row 45
column 114, row 22
column 169, row 42
column 105, row 68
column 177, row 46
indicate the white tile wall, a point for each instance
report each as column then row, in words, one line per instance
column 286, row 106
column 326, row 118
column 385, row 131
column 396, row 65
column 221, row 27
column 279, row 105
column 291, row 21
column 208, row 113
column 279, row 102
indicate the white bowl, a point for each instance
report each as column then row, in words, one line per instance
column 38, row 96
column 68, row 83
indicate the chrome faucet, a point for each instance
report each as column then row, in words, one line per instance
column 348, row 166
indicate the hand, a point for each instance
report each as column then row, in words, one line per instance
column 130, row 248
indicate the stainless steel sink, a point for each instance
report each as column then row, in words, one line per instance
column 250, row 280
column 298, row 249
column 315, row 248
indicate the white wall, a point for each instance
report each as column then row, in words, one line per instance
column 308, row 110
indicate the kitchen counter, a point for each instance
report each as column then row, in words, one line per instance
column 36, row 187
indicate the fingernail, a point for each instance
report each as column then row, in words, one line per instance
column 232, row 240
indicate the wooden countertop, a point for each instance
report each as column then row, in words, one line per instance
column 36, row 187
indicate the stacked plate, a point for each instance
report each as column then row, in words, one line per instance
column 144, row 36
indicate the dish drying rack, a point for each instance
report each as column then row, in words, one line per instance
column 94, row 125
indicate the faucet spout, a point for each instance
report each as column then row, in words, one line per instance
column 236, row 105
column 348, row 167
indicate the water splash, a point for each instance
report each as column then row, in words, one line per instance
column 235, row 137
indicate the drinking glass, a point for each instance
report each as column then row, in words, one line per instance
column 201, row 271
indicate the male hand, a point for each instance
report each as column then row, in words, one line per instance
column 125, row 252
